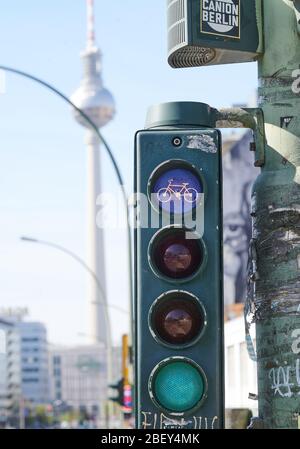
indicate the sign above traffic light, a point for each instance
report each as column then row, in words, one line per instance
column 178, row 270
column 211, row 32
column 220, row 18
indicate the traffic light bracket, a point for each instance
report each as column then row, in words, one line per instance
column 251, row 118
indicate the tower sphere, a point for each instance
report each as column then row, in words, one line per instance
column 96, row 102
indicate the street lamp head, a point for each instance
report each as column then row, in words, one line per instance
column 28, row 239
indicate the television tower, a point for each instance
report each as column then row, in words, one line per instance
column 98, row 103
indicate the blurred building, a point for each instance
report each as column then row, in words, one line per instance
column 27, row 363
column 78, row 377
column 3, row 367
column 239, row 174
column 4, row 362
column 11, row 370
column 240, row 370
column 34, row 362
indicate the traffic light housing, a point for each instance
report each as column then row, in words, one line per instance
column 178, row 270
column 119, row 388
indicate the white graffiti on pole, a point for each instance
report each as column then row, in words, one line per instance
column 285, row 379
column 160, row 421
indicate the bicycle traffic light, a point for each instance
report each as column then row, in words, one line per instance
column 178, row 270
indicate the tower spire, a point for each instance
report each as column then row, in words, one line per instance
column 90, row 24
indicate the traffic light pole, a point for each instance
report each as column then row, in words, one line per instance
column 275, row 248
column 276, row 221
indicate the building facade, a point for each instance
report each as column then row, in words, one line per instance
column 3, row 379
column 78, row 377
column 14, row 384
column 239, row 174
column 27, row 363
column 4, row 399
column 34, row 362
column 240, row 370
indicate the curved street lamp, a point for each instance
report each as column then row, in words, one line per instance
column 94, row 127
column 82, row 263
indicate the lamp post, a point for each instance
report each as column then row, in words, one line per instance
column 103, row 302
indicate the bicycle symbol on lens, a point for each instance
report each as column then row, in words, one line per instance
column 177, row 192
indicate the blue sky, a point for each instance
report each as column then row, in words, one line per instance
column 42, row 153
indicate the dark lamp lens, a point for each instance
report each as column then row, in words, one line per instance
column 178, row 323
column 175, row 256
column 177, row 318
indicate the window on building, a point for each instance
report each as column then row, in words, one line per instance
column 56, row 360
column 231, row 367
column 30, row 370
column 95, row 409
column 231, row 375
column 30, row 339
column 57, row 372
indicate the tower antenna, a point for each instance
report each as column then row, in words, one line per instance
column 90, row 23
